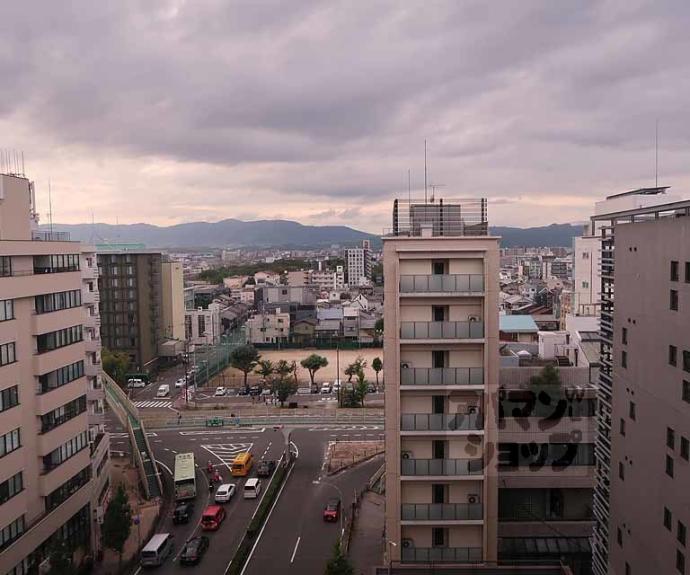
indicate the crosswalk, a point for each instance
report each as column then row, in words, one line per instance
column 226, row 452
column 153, row 403
column 126, row 436
column 346, row 428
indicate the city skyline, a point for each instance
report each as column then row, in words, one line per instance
column 206, row 112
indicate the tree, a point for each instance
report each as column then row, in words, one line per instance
column 361, row 387
column 265, row 368
column 338, row 564
column 244, row 358
column 117, row 522
column 60, row 558
column 294, row 368
column 354, row 368
column 115, row 364
column 283, row 368
column 377, row 366
column 378, row 327
column 548, row 382
column 313, row 363
column 284, row 388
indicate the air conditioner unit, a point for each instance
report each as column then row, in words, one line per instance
column 474, row 318
column 472, row 409
column 473, row 498
column 406, row 365
column 407, row 543
column 406, row 454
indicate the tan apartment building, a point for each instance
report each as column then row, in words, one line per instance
column 440, row 351
column 642, row 501
column 49, row 368
column 172, row 294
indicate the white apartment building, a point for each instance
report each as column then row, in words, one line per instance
column 269, row 327
column 359, row 264
column 203, row 326
column 586, row 279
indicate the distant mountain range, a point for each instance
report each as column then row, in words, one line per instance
column 279, row 233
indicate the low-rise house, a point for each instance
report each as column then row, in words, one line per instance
column 519, row 328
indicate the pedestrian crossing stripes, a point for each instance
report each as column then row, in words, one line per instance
column 126, row 436
column 346, row 427
column 153, row 403
column 226, row 452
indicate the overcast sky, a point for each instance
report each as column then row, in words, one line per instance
column 174, row 111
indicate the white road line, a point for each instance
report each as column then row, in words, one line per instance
column 164, row 466
column 295, row 550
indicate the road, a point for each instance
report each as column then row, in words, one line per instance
column 298, row 511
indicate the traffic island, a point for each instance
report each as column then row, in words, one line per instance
column 344, row 454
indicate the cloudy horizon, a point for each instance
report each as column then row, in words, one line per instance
column 177, row 111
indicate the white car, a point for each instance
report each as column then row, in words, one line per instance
column 325, row 388
column 135, row 382
column 220, row 391
column 336, row 385
column 180, row 382
column 225, row 492
column 267, row 391
column 163, row 390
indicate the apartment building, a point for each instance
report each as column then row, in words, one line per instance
column 358, row 262
column 642, row 504
column 586, row 294
column 131, row 302
column 49, row 370
column 172, row 300
column 441, row 349
column 273, row 327
column 203, row 326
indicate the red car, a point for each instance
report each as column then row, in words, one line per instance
column 332, row 510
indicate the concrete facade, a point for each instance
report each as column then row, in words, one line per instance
column 440, row 345
column 173, row 304
column 49, row 371
column 586, row 278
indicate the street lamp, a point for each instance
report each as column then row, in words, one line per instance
column 390, row 559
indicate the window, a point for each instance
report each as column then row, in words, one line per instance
column 680, row 562
column 624, row 359
column 5, row 266
column 7, row 353
column 624, row 335
column 585, row 255
column 63, row 414
column 668, row 518
column 673, row 304
column 60, row 338
column 11, row 532
column 61, row 376
column 628, row 570
column 674, row 271
column 621, row 470
column 622, row 426
column 65, row 451
column 56, row 263
column 670, row 438
column 10, row 442
column 669, row 466
column 686, row 391
column 438, row 538
column 585, row 284
column 672, row 355
column 686, row 360
column 631, row 410
column 681, row 533
column 68, row 488
column 56, row 301
column 6, row 309
column 13, row 486
column 685, row 448
column 687, row 272
column 9, row 398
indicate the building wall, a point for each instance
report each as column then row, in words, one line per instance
column 172, row 296
column 644, row 252
column 586, row 278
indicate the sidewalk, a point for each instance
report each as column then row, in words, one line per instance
column 366, row 545
column 123, row 472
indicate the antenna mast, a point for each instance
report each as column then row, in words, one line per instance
column 656, row 155
column 425, row 171
column 50, row 208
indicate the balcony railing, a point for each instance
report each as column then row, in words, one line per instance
column 442, row 376
column 441, row 511
column 441, row 330
column 441, row 555
column 441, row 467
column 441, row 422
column 454, row 283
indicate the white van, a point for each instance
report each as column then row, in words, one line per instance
column 156, row 550
column 163, row 390
column 252, row 488
column 136, row 382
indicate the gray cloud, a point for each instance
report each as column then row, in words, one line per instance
column 216, row 109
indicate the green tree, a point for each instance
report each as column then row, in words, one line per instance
column 338, row 564
column 548, row 382
column 115, row 364
column 355, row 367
column 294, row 368
column 283, row 368
column 284, row 388
column 378, row 327
column 117, row 522
column 60, row 558
column 377, row 366
column 313, row 363
column 361, row 387
column 265, row 368
column 244, row 358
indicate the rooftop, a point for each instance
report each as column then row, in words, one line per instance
column 442, row 217
column 517, row 324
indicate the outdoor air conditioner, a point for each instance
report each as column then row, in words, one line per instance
column 472, row 409
column 474, row 318
column 473, row 498
column 406, row 365
column 407, row 543
column 406, row 454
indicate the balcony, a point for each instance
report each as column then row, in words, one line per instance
column 441, row 467
column 90, row 297
column 442, row 376
column 92, row 345
column 441, row 422
column 441, row 555
column 92, row 369
column 441, row 330
column 455, row 284
column 441, row 512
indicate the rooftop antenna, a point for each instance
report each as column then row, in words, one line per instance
column 425, row 171
column 656, row 155
column 433, row 190
column 50, row 208
column 409, row 188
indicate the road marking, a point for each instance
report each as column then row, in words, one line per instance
column 226, row 452
column 154, row 403
column 295, row 550
column 164, row 466
column 126, row 435
column 223, row 432
column 173, row 451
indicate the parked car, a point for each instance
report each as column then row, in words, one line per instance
column 326, row 388
column 336, row 386
column 220, row 391
column 265, row 468
column 303, row 390
column 267, row 391
column 242, row 391
column 371, row 388
column 183, row 512
column 180, row 382
column 225, row 492
column 254, row 390
column 194, row 550
column 331, row 511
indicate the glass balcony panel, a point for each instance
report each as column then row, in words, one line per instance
column 477, row 283
column 462, row 283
